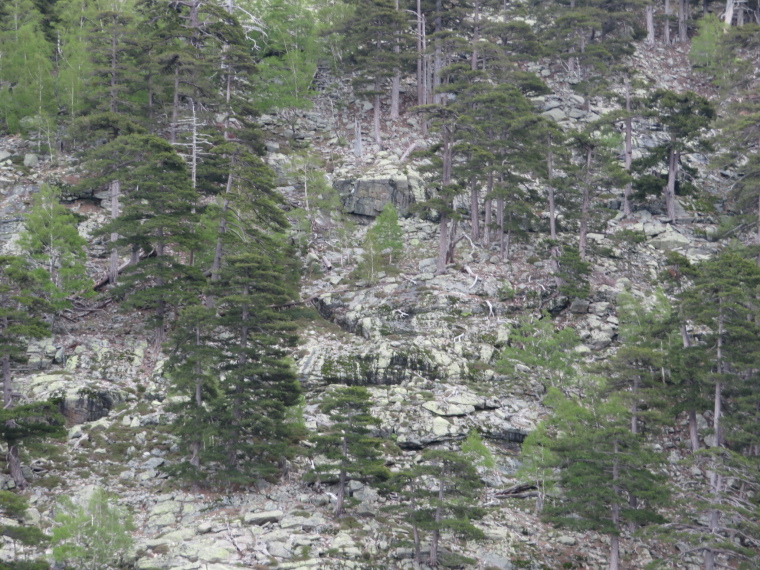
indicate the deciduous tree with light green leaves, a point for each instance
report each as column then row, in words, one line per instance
column 94, row 535
column 52, row 241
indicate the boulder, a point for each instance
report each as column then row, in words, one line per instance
column 367, row 196
column 31, row 160
column 90, row 404
column 669, row 240
column 263, row 517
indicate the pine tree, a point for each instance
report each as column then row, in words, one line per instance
column 158, row 218
column 602, row 464
column 348, row 444
column 683, row 116
column 257, row 381
column 21, row 310
column 372, row 32
column 451, row 504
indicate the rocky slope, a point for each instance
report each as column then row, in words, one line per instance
column 425, row 344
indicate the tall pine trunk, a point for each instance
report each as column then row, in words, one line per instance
column 396, row 79
column 670, row 188
column 628, row 147
column 614, row 537
column 376, row 112
column 14, row 463
column 436, row 534
column 113, row 263
column 666, row 24
column 585, row 206
column 474, row 210
column 649, row 17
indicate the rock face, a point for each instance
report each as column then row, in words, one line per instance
column 367, row 196
column 386, row 181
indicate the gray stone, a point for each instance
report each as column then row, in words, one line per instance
column 154, row 462
column 494, row 561
column 555, row 114
column 263, row 517
column 90, row 404
column 368, row 196
column 579, row 306
column 669, row 240
column 31, row 160
column 4, row 154
column 566, row 540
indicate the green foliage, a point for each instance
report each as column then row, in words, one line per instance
column 382, row 244
column 601, row 464
column 51, row 239
column 704, row 46
column 26, row 83
column 348, row 444
column 537, row 344
column 92, row 535
column 288, row 55
column 573, row 274
column 474, row 447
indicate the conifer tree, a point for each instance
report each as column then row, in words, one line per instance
column 21, row 310
column 258, row 383
column 372, row 33
column 158, row 219
column 601, row 465
column 348, row 444
column 451, row 504
column 683, row 116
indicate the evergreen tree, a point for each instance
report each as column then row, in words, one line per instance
column 348, row 444
column 21, row 310
column 14, row 507
column 158, row 219
column 258, row 383
column 451, row 503
column 372, row 32
column 683, row 117
column 602, row 464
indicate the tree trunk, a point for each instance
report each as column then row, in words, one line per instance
column 489, row 204
column 114, row 67
column 438, row 57
column 682, row 16
column 474, row 210
column 436, row 532
column 175, row 106
column 649, row 17
column 396, row 80
column 452, row 241
column 420, row 55
column 628, row 147
column 666, row 24
column 729, row 16
column 475, row 36
column 670, row 189
column 718, row 385
column 500, row 219
column 358, row 150
column 113, row 264
column 693, row 432
column 443, row 245
column 376, row 112
column 614, row 537
column 14, row 465
column 585, row 206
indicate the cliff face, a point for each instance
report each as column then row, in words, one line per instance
column 425, row 345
